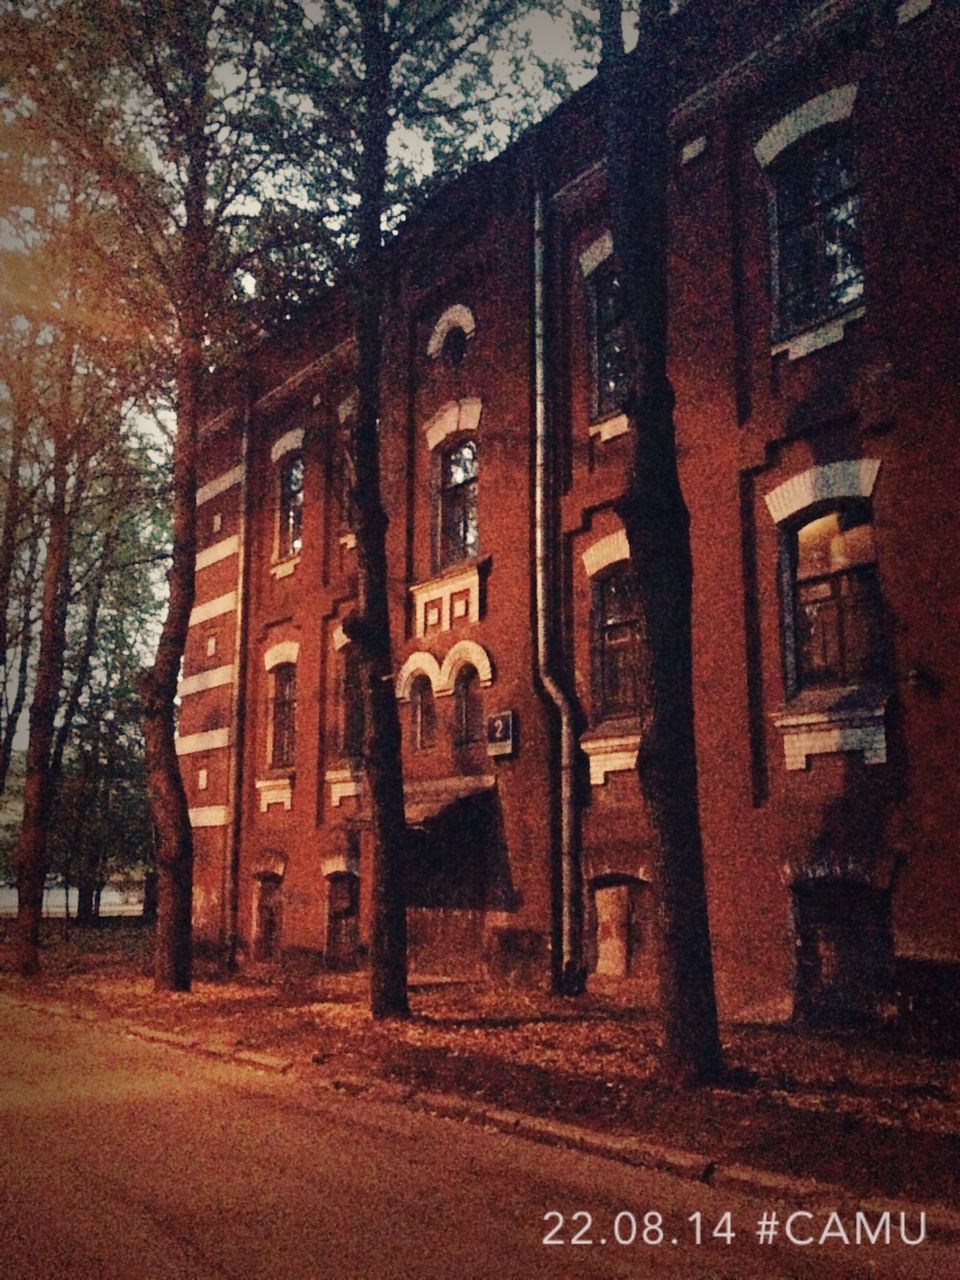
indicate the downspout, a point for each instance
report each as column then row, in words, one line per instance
column 237, row 710
column 569, row 977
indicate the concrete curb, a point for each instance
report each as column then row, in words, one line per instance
column 692, row 1166
column 941, row 1221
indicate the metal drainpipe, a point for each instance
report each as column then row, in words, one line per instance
column 571, row 967
column 235, row 788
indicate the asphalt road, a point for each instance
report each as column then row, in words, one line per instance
column 124, row 1160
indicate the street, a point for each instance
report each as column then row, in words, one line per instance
column 124, row 1160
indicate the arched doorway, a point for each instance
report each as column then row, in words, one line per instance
column 343, row 919
column 617, row 925
column 267, row 917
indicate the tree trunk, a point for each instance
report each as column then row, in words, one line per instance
column 657, row 523
column 382, row 759
column 157, row 688
column 31, row 856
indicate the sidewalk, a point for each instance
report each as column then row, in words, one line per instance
column 844, row 1111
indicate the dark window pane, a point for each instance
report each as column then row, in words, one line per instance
column 284, row 714
column 608, row 340
column 459, row 534
column 352, row 728
column 819, row 251
column 468, row 708
column 423, row 713
column 617, row 644
column 291, row 506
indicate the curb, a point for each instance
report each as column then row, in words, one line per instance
column 692, row 1166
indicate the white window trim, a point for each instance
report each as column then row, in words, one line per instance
column 608, row 550
column 596, row 253
column 834, row 481
column 826, row 108
column 282, row 651
column 457, row 316
column 456, row 417
column 465, row 653
column 289, row 442
column 419, row 663
column 443, row 589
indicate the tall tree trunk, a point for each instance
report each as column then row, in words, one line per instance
column 31, row 856
column 173, row 837
column 157, row 689
column 382, row 759
column 637, row 103
column 8, row 542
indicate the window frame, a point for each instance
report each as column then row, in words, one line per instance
column 448, row 551
column 800, row 675
column 290, row 503
column 603, row 405
column 605, row 706
column 799, row 309
column 423, row 713
column 469, row 725
column 283, row 715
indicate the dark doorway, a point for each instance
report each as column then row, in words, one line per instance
column 844, row 951
column 343, row 920
column 266, row 941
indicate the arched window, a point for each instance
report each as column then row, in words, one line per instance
column 457, row 515
column 291, row 505
column 616, row 638
column 468, row 707
column 836, row 605
column 423, row 718
column 284, row 722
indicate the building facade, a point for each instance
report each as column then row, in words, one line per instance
column 813, row 349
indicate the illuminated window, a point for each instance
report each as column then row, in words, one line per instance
column 817, row 230
column 607, row 339
column 291, row 505
column 836, row 606
column 457, row 516
column 616, row 618
column 423, row 719
column 284, row 715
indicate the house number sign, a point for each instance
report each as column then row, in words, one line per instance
column 500, row 734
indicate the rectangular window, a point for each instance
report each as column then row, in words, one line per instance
column 607, row 340
column 457, row 517
column 291, row 506
column 836, row 601
column 616, row 644
column 819, row 256
column 284, row 715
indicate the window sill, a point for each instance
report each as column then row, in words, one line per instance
column 343, row 782
column 823, row 334
column 826, row 721
column 284, row 568
column 609, row 428
column 277, row 789
column 611, row 747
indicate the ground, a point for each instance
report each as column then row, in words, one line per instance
column 845, row 1110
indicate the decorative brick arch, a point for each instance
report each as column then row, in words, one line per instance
column 826, row 108
column 456, row 317
column 454, row 418
column 464, row 653
column 419, row 663
column 834, row 481
column 608, row 550
column 282, row 651
column 288, row 442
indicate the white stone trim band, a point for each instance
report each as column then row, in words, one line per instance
column 205, row 680
column 826, row 108
column 289, row 441
column 595, row 253
column 213, row 488
column 210, row 815
column 211, row 740
column 218, row 551
column 852, row 478
column 213, row 608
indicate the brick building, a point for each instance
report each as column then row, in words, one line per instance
column 813, row 287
